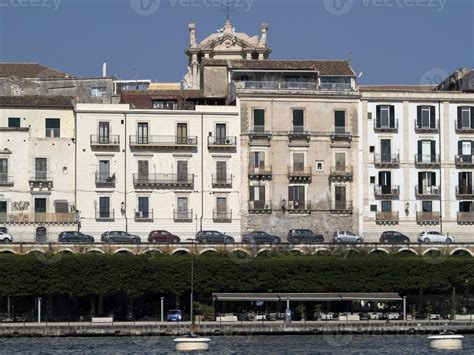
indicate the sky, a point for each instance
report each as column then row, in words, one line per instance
column 388, row 41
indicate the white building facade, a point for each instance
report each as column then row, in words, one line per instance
column 144, row 170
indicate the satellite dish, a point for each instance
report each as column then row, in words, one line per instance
column 360, row 74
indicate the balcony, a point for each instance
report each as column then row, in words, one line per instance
column 164, row 142
column 105, row 142
column 183, row 216
column 41, row 180
column 466, row 218
column 341, row 134
column 222, row 182
column 300, row 174
column 144, row 216
column 6, row 180
column 464, row 193
column 380, row 127
column 387, row 218
column 301, row 207
column 428, row 192
column 422, row 128
column 222, row 143
column 427, row 218
column 463, row 129
column 262, row 207
column 275, row 85
column 387, row 160
column 464, row 161
column 222, row 216
column 341, row 207
column 49, row 218
column 387, row 192
column 105, row 216
column 427, row 161
column 164, row 181
column 104, row 180
column 341, row 173
column 263, row 172
column 259, row 133
column 335, row 87
column 299, row 134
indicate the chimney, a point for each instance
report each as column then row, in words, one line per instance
column 104, row 70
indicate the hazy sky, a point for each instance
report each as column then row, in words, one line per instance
column 391, row 41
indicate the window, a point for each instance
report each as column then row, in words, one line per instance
column 183, row 171
column 426, row 182
column 385, row 181
column 296, row 197
column 221, row 133
column 426, row 117
column 372, row 180
column 340, row 162
column 40, row 205
column 340, row 121
column 427, row 151
column 386, row 150
column 373, row 208
column 427, row 206
column 104, row 171
column 104, row 132
column 386, row 206
column 104, row 207
column 183, row 208
column 143, row 207
column 465, row 183
column 14, row 122
column 53, row 127
column 466, row 151
column 298, row 161
column 385, row 116
column 340, row 197
column 98, row 91
column 143, row 172
column 369, row 115
column 182, row 133
column 165, row 104
column 465, row 118
column 259, row 120
column 3, row 170
column 298, row 120
column 142, row 133
column 257, row 159
column 257, row 195
column 371, row 149
column 319, row 166
column 463, row 206
column 61, row 206
column 221, row 171
column 221, row 207
column 41, row 169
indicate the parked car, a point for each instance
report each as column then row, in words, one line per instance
column 435, row 237
column 5, row 237
column 74, row 237
column 119, row 237
column 174, row 316
column 260, row 237
column 304, row 236
column 213, row 237
column 347, row 237
column 364, row 316
column 162, row 237
column 394, row 237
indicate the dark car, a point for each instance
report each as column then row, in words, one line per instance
column 213, row 237
column 174, row 316
column 163, row 237
column 74, row 237
column 304, row 236
column 119, row 237
column 394, row 237
column 260, row 238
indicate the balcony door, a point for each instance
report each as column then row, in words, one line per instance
column 465, row 182
column 41, row 168
column 142, row 133
column 182, row 207
column 143, row 170
column 257, row 159
column 385, row 181
column 259, row 120
column 104, row 170
column 3, row 209
column 104, row 207
column 426, row 182
column 40, row 205
column 465, row 206
column 426, row 117
column 296, row 196
column 104, row 132
column 340, row 162
column 298, row 162
column 385, row 116
column 427, row 206
column 298, row 120
column 386, row 150
column 465, row 119
column 221, row 207
column 257, row 196
column 465, row 149
column 182, row 171
column 143, row 207
column 426, row 151
column 182, row 133
column 221, row 171
column 3, row 170
column 221, row 133
column 340, row 197
column 340, row 121
column 386, row 206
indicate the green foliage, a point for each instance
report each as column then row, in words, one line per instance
column 428, row 309
column 301, row 311
column 84, row 275
column 208, row 312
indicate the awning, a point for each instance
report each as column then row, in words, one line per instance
column 275, row 297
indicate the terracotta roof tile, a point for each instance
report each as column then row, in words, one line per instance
column 36, row 101
column 30, row 71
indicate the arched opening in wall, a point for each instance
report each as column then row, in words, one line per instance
column 95, row 252
column 209, row 253
column 65, row 252
column 322, row 252
column 264, row 253
column 124, row 252
column 407, row 252
column 7, row 252
column 153, row 252
column 461, row 253
column 296, row 252
column 240, row 255
column 433, row 253
column 181, row 252
column 379, row 252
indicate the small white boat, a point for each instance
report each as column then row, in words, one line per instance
column 192, row 344
column 446, row 342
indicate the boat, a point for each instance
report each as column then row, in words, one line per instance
column 445, row 341
column 192, row 343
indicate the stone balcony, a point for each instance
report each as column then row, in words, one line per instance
column 387, row 192
column 164, row 142
column 428, row 218
column 387, row 218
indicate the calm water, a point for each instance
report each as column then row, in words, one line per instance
column 317, row 344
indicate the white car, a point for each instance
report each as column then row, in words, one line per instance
column 5, row 238
column 435, row 237
column 347, row 237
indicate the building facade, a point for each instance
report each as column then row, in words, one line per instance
column 417, row 149
column 37, row 170
column 141, row 170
